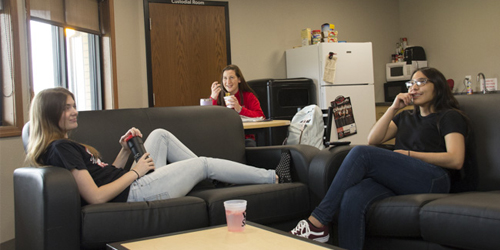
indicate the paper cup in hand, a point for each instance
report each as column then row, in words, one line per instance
column 236, row 215
column 226, row 98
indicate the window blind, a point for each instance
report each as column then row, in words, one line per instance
column 75, row 13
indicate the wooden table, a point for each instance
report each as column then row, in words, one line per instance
column 265, row 124
column 262, row 130
column 254, row 237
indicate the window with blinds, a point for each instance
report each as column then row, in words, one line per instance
column 77, row 14
column 65, row 49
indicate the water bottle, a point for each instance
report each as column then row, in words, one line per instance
column 136, row 146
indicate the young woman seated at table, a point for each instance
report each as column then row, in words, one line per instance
column 241, row 98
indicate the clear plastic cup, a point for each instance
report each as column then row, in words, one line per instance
column 205, row 102
column 236, row 215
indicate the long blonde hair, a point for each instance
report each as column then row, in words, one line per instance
column 46, row 110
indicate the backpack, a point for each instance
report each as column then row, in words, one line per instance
column 307, row 127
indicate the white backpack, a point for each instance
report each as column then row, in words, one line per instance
column 307, row 127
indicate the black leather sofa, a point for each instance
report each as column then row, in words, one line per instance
column 463, row 220
column 48, row 211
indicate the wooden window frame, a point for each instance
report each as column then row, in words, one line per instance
column 16, row 128
column 108, row 55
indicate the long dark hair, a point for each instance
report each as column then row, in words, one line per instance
column 443, row 98
column 242, row 86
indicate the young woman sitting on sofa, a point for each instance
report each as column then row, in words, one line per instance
column 53, row 114
column 242, row 97
column 430, row 150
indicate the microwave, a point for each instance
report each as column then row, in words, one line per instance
column 402, row 71
column 392, row 89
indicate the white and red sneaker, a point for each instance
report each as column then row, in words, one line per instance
column 306, row 229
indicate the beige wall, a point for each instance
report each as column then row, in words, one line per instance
column 261, row 31
column 131, row 54
column 459, row 39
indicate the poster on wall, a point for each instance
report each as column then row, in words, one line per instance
column 343, row 116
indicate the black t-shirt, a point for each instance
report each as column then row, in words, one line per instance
column 71, row 155
column 426, row 134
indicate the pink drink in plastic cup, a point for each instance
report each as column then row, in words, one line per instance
column 205, row 102
column 235, row 215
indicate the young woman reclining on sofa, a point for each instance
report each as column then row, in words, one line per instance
column 53, row 114
column 430, row 151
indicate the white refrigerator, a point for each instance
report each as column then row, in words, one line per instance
column 353, row 78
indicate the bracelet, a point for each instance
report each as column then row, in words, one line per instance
column 138, row 176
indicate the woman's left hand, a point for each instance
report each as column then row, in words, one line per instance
column 133, row 131
column 233, row 103
column 403, row 152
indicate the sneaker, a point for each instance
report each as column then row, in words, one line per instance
column 283, row 168
column 306, row 229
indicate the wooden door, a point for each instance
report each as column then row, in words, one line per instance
column 188, row 49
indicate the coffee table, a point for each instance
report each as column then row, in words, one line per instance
column 254, row 237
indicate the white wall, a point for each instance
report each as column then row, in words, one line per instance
column 460, row 37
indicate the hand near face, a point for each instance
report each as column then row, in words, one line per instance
column 216, row 88
column 402, row 100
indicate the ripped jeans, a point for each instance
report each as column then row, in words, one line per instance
column 186, row 170
column 368, row 174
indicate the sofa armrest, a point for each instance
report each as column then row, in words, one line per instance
column 47, row 208
column 268, row 157
column 323, row 169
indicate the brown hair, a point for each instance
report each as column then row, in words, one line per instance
column 46, row 110
column 242, row 86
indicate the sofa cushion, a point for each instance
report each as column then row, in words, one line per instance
column 468, row 220
column 112, row 222
column 266, row 203
column 398, row 216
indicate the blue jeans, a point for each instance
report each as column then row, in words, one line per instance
column 368, row 174
column 185, row 170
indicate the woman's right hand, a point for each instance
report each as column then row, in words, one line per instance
column 144, row 165
column 216, row 88
column 402, row 100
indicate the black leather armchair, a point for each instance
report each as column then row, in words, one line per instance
column 48, row 210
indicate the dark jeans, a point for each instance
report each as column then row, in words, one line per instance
column 368, row 174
